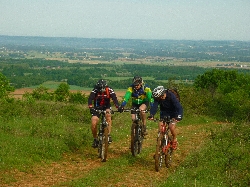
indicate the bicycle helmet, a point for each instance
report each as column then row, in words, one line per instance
column 158, row 91
column 101, row 85
column 137, row 80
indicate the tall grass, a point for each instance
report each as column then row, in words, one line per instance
column 40, row 132
column 223, row 161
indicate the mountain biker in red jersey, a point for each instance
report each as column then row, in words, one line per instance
column 101, row 95
column 141, row 97
column 169, row 106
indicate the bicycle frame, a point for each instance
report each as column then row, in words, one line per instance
column 163, row 147
column 103, row 136
column 165, row 131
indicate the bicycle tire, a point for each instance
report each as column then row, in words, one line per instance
column 168, row 154
column 104, row 145
column 168, row 158
column 139, row 136
column 158, row 153
column 134, row 142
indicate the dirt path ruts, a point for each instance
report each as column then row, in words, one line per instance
column 74, row 167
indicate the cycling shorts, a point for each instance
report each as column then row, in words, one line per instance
column 134, row 105
column 98, row 114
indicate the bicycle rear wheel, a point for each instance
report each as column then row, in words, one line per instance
column 158, row 153
column 104, row 145
column 134, row 140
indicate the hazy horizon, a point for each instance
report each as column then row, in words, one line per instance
column 116, row 19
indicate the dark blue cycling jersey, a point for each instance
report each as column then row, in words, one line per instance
column 170, row 106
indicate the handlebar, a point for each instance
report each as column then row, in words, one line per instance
column 165, row 119
column 135, row 110
column 104, row 111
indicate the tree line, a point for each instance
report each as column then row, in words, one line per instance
column 26, row 73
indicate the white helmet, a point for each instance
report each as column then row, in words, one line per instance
column 158, row 91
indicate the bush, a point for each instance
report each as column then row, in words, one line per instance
column 5, row 86
column 78, row 98
column 229, row 94
column 61, row 94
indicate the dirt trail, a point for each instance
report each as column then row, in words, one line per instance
column 75, row 167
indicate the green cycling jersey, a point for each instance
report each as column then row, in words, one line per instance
column 139, row 96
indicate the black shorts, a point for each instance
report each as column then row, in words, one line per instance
column 97, row 114
column 134, row 105
column 165, row 114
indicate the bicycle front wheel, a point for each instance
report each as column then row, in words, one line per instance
column 168, row 158
column 158, row 153
column 168, row 153
column 134, row 139
column 104, row 145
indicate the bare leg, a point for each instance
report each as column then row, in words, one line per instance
column 143, row 114
column 94, row 121
column 173, row 131
column 108, row 118
column 159, row 126
column 133, row 117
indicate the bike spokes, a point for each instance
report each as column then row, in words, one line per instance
column 136, row 139
column 158, row 153
column 104, row 149
column 134, row 145
column 168, row 158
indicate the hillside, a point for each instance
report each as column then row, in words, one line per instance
column 83, row 168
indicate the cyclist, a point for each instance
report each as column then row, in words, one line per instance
column 101, row 95
column 141, row 97
column 169, row 106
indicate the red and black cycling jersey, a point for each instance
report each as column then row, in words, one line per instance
column 102, row 99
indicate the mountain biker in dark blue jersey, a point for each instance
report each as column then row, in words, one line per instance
column 169, row 106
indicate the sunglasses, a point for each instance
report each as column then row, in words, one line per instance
column 162, row 96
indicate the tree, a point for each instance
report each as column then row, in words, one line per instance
column 5, row 87
column 62, row 92
column 211, row 80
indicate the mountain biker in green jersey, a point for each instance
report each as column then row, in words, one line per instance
column 141, row 97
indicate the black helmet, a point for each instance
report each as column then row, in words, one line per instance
column 137, row 80
column 101, row 85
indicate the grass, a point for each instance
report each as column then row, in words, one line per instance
column 224, row 161
column 34, row 135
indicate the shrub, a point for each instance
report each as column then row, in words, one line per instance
column 62, row 92
column 5, row 86
column 78, row 98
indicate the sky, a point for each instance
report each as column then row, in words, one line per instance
column 128, row 19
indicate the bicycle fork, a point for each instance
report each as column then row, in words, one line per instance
column 165, row 145
column 139, row 133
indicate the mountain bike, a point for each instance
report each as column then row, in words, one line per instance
column 164, row 148
column 136, row 131
column 103, row 132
